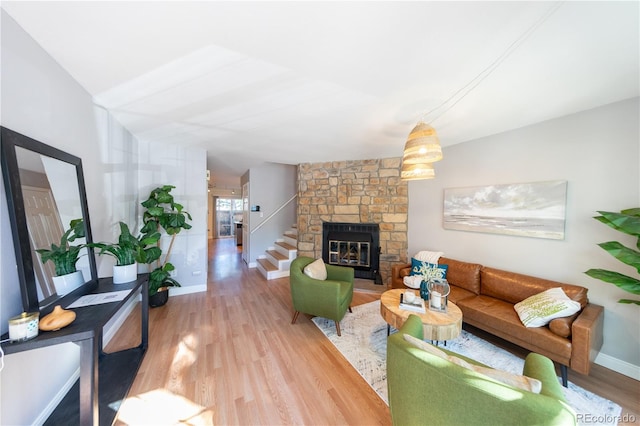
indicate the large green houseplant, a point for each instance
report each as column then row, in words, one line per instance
column 130, row 250
column 163, row 213
column 627, row 221
column 65, row 256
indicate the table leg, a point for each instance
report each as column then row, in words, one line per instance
column 89, row 408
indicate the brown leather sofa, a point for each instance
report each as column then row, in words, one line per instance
column 486, row 297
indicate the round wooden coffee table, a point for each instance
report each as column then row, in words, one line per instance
column 438, row 326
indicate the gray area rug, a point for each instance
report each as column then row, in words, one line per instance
column 364, row 343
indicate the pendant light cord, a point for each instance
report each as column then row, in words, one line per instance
column 473, row 83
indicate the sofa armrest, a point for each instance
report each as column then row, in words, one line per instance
column 396, row 276
column 586, row 337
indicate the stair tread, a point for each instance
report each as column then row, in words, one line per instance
column 277, row 255
column 286, row 245
column 268, row 266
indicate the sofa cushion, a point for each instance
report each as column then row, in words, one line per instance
column 463, row 274
column 456, row 294
column 514, row 380
column 539, row 309
column 316, row 270
column 513, row 288
column 499, row 318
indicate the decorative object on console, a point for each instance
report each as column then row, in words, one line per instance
column 57, row 319
column 541, row 308
column 23, row 326
column 163, row 213
column 535, row 209
column 627, row 221
column 128, row 251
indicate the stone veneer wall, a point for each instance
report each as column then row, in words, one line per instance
column 363, row 191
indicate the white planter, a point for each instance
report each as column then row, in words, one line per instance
column 67, row 283
column 125, row 274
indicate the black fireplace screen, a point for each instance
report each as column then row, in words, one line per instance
column 350, row 253
column 353, row 244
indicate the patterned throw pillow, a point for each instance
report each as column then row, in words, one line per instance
column 428, row 270
column 539, row 309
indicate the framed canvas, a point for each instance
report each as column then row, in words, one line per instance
column 535, row 209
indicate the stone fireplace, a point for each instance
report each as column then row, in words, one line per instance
column 363, row 192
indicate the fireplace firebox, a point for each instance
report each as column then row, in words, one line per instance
column 353, row 244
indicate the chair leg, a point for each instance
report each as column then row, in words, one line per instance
column 295, row 317
column 338, row 328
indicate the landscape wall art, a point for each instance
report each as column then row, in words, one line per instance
column 535, row 209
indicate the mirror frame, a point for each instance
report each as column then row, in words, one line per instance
column 9, row 141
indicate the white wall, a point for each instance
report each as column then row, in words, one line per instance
column 270, row 186
column 598, row 153
column 184, row 168
column 40, row 100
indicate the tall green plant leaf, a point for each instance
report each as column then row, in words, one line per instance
column 622, row 253
column 629, row 224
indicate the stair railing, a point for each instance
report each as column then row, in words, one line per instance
column 274, row 213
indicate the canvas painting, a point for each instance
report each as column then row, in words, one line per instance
column 534, row 209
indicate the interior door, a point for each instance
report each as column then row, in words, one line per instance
column 44, row 226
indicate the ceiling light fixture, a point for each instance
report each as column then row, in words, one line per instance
column 423, row 145
column 417, row 171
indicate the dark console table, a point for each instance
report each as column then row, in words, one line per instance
column 105, row 378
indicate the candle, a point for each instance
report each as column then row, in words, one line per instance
column 435, row 299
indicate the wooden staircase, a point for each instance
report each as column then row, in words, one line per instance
column 277, row 259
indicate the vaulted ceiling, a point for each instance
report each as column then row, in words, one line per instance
column 294, row 82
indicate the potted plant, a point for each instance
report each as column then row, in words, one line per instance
column 64, row 258
column 128, row 251
column 163, row 214
column 627, row 221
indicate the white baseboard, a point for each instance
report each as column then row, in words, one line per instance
column 252, row 264
column 618, row 365
column 62, row 392
column 177, row 291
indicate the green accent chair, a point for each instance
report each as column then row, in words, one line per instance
column 327, row 299
column 425, row 389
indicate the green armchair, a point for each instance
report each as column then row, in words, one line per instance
column 426, row 389
column 327, row 299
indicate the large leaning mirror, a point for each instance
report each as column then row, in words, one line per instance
column 47, row 205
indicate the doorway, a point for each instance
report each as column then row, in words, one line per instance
column 228, row 212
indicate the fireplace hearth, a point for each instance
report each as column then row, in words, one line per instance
column 356, row 245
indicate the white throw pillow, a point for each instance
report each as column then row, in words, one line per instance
column 316, row 270
column 539, row 309
column 515, row 380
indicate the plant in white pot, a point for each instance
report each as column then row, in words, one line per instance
column 128, row 251
column 163, row 213
column 64, row 258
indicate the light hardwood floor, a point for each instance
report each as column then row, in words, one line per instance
column 232, row 356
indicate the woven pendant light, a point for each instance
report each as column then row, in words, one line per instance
column 423, row 145
column 417, row 171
